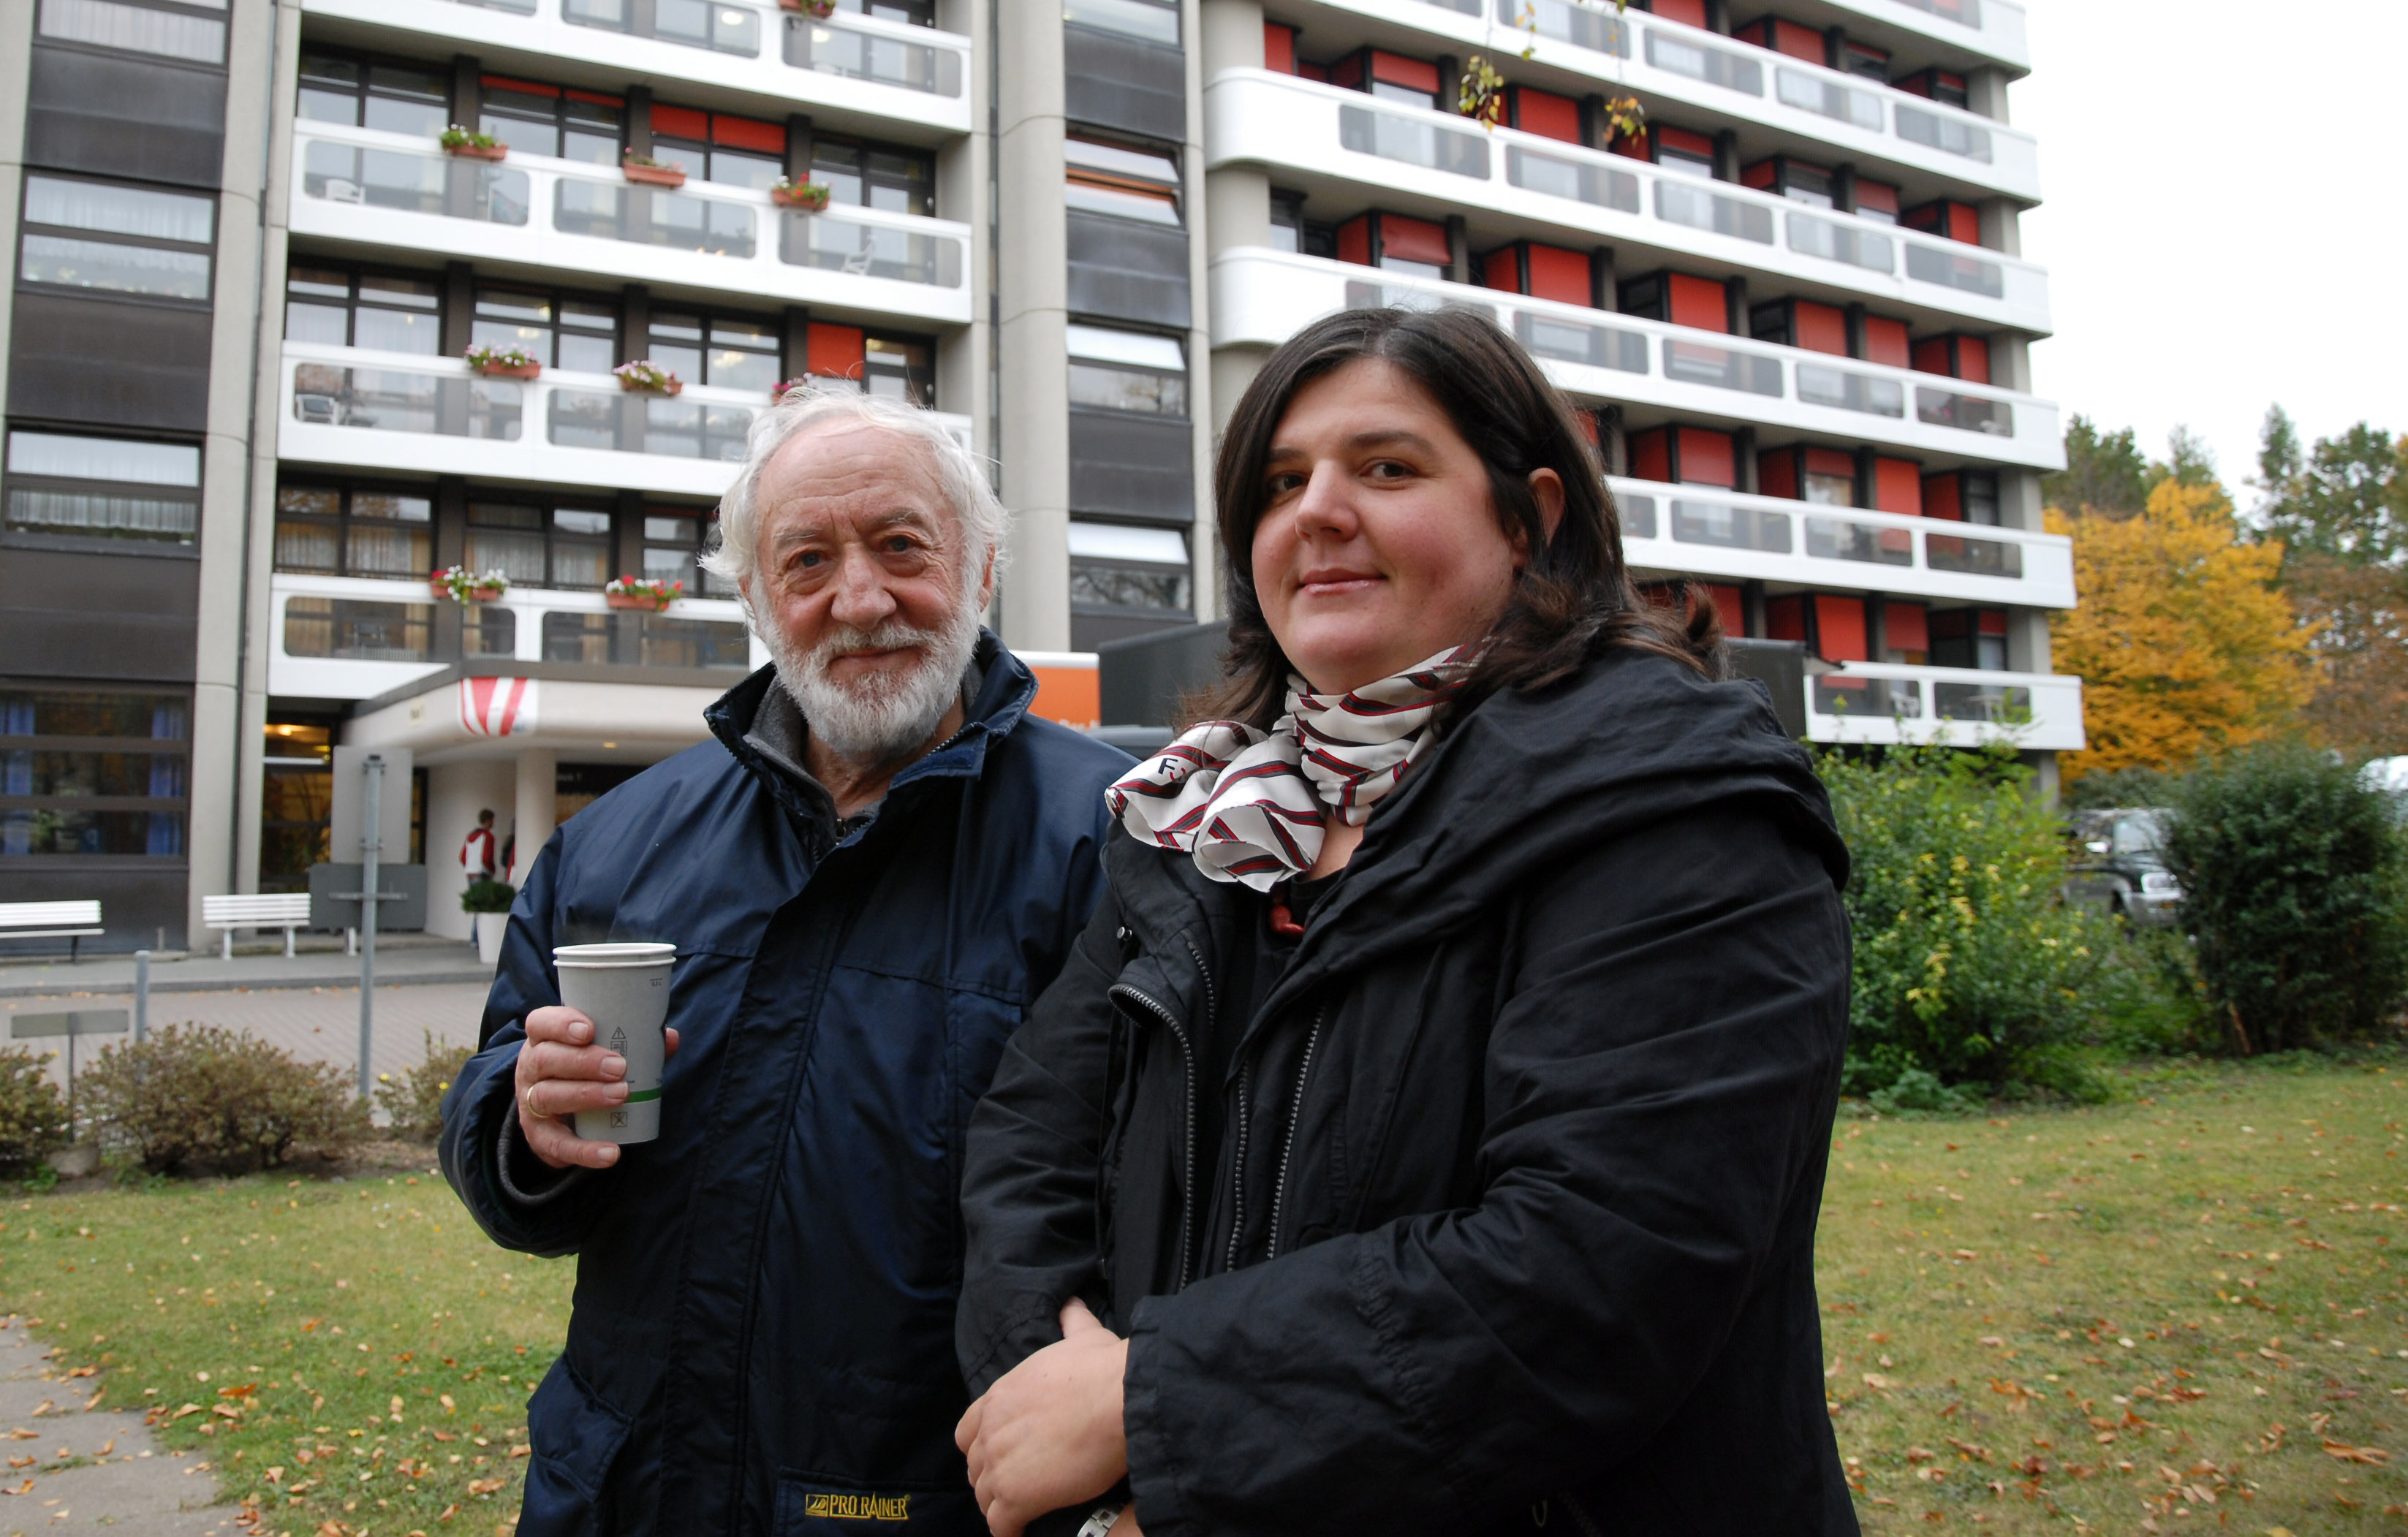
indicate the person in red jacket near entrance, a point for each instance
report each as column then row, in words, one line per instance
column 478, row 854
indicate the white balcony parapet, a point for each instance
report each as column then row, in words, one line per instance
column 366, row 186
column 398, row 411
column 1261, row 297
column 1993, row 32
column 353, row 637
column 851, row 71
column 1431, row 162
column 1663, row 61
column 1867, row 702
column 1703, row 530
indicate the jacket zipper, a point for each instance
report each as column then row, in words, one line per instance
column 1212, row 1015
column 1294, row 1118
column 1187, row 1061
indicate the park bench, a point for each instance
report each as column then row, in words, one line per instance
column 285, row 910
column 72, row 921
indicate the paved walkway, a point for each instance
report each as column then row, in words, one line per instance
column 115, row 1476
column 411, row 960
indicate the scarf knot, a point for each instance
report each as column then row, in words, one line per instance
column 1251, row 807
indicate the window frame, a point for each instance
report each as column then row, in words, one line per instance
column 865, row 148
column 707, row 317
column 11, row 481
column 30, row 805
column 27, row 225
column 354, row 272
column 559, row 299
column 200, row 10
column 343, row 520
column 1128, row 180
column 548, row 508
column 368, row 63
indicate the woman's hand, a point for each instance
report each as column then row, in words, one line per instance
column 1049, row 1433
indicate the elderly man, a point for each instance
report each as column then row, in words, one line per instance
column 869, row 875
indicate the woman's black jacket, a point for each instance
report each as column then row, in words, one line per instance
column 1511, row 1215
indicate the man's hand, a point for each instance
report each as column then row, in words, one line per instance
column 1049, row 1433
column 561, row 1071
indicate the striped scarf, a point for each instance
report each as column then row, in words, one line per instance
column 1251, row 807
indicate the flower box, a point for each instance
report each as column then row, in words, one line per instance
column 462, row 586
column 654, row 176
column 810, row 195
column 671, row 386
column 508, row 370
column 442, row 588
column 822, row 9
column 479, row 151
column 641, row 593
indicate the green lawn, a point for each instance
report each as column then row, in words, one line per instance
column 2169, row 1314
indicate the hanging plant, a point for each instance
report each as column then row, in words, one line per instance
column 1481, row 93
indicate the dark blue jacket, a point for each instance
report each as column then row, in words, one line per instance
column 762, row 1339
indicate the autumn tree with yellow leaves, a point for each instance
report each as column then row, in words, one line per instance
column 2185, row 642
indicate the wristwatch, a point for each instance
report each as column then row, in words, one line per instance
column 1100, row 1519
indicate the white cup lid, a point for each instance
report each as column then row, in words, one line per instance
column 629, row 954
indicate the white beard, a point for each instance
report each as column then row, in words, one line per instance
column 884, row 716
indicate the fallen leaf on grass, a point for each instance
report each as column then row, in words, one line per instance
column 483, row 1486
column 2348, row 1452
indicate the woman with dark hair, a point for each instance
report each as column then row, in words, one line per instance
column 1428, row 1134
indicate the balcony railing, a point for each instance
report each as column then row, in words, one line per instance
column 395, row 411
column 1262, row 297
column 1883, row 703
column 1435, row 162
column 349, row 637
column 845, row 66
column 1702, row 531
column 1667, row 60
column 360, row 184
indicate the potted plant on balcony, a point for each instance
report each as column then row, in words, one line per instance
column 779, row 390
column 640, row 592
column 504, row 363
column 470, row 145
column 786, row 192
column 651, row 171
column 487, row 902
column 645, row 377
column 464, row 586
column 822, row 9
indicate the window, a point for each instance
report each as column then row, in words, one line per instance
column 899, row 367
column 353, row 532
column 674, row 540
column 578, row 334
column 731, row 352
column 186, row 31
column 103, row 487
column 363, row 629
column 1970, row 638
column 97, row 236
column 546, row 120
column 875, row 175
column 1138, row 18
column 1133, row 571
column 918, row 13
column 397, row 98
column 1128, row 371
column 93, row 773
column 714, row 146
column 390, row 313
column 297, row 799
column 688, row 24
column 540, row 546
column 1129, row 184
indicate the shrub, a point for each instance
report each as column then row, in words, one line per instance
column 2293, row 878
column 2113, row 787
column 199, row 1096
column 33, row 1111
column 414, row 1101
column 1969, row 966
column 487, row 895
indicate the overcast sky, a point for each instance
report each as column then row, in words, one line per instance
column 2224, row 216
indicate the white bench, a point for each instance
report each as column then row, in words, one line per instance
column 73, row 921
column 285, row 910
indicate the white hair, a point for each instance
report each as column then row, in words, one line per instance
column 959, row 474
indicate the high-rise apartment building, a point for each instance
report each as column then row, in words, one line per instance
column 255, row 244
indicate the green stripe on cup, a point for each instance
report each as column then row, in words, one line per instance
column 641, row 1095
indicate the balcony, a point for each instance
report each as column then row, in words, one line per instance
column 1511, row 184
column 362, row 186
column 347, row 637
column 1579, row 47
column 1702, row 531
column 1262, row 297
column 399, row 412
column 848, row 71
column 1880, row 702
column 1970, row 33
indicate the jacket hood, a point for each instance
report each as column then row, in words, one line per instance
column 1516, row 786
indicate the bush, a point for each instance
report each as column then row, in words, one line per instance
column 33, row 1111
column 2114, row 787
column 1970, row 969
column 487, row 895
column 414, row 1101
column 2293, row 878
column 198, row 1096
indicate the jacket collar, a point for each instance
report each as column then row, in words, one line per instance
column 1006, row 692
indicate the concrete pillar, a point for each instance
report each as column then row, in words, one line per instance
column 1985, row 92
column 16, row 72
column 2019, row 499
column 1033, row 408
column 1235, row 211
column 218, row 745
column 455, row 792
column 538, row 802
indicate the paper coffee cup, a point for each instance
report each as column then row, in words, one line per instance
column 625, row 989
